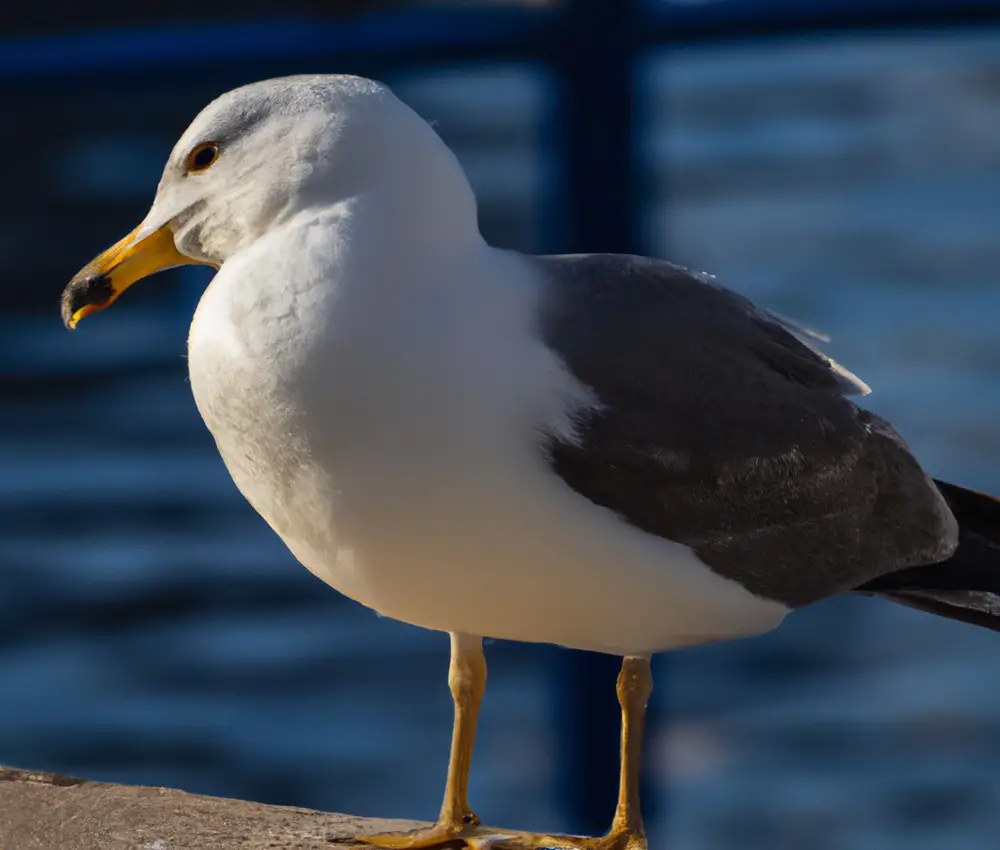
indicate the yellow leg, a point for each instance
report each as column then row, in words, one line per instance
column 635, row 684
column 467, row 680
column 458, row 825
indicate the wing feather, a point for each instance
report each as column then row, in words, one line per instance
column 720, row 427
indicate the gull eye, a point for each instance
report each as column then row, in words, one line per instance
column 202, row 157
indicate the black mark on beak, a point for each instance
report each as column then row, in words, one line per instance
column 85, row 291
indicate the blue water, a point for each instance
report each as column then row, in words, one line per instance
column 153, row 630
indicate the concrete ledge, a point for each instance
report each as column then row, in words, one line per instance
column 43, row 811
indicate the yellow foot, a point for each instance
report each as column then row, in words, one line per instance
column 475, row 837
column 490, row 838
column 441, row 835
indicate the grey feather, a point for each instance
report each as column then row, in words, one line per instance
column 722, row 429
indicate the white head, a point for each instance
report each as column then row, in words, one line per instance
column 258, row 155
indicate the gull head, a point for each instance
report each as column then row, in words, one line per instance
column 260, row 155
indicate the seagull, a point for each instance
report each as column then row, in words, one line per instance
column 605, row 452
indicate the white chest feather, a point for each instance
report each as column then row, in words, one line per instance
column 389, row 432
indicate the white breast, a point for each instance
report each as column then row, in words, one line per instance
column 390, row 434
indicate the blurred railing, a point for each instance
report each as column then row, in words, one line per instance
column 591, row 47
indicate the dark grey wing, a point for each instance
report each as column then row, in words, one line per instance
column 723, row 430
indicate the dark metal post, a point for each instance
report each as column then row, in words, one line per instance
column 597, row 54
column 596, row 59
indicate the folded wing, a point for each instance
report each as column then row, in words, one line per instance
column 723, row 429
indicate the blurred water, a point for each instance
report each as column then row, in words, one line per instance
column 153, row 630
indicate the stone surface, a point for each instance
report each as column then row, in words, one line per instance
column 44, row 811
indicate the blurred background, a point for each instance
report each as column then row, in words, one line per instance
column 836, row 160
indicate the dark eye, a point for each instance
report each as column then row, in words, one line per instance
column 202, row 157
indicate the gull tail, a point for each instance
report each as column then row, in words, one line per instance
column 965, row 587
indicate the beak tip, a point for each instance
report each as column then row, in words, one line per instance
column 84, row 290
column 67, row 316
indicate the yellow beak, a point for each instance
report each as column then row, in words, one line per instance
column 142, row 253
